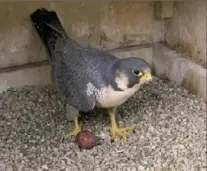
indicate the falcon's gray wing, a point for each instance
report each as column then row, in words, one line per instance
column 72, row 84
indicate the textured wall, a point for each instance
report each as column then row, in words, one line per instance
column 102, row 25
column 186, row 31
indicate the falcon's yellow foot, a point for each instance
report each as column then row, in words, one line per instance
column 115, row 130
column 76, row 130
column 122, row 132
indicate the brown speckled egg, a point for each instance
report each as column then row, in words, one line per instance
column 86, row 139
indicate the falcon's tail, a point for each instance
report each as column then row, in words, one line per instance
column 47, row 25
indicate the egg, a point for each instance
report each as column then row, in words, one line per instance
column 86, row 139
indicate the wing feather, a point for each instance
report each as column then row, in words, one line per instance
column 72, row 85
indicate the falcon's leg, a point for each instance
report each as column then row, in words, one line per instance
column 115, row 130
column 73, row 114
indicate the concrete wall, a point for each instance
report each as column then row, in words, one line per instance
column 102, row 25
column 186, row 31
column 180, row 71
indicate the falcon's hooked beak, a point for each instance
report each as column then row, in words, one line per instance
column 147, row 77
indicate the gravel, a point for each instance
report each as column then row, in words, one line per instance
column 170, row 132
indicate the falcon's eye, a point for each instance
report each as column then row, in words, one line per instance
column 137, row 73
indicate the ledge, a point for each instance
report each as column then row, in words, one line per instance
column 171, row 65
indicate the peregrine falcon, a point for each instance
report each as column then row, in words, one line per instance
column 86, row 77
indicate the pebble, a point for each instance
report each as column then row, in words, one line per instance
column 45, row 167
column 140, row 167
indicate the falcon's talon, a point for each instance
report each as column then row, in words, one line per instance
column 76, row 130
column 122, row 132
column 112, row 141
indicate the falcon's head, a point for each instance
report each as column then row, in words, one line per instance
column 131, row 71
